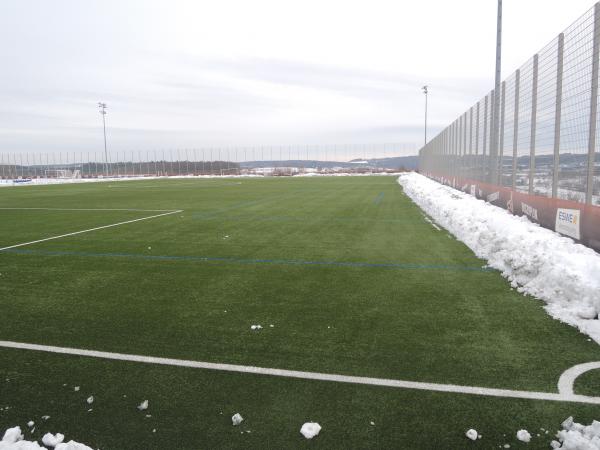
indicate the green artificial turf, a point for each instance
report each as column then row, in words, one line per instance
column 348, row 271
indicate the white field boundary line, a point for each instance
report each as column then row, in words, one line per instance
column 90, row 229
column 86, row 209
column 448, row 388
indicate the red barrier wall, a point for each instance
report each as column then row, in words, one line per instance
column 575, row 220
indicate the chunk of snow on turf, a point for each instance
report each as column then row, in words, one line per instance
column 143, row 406
column 471, row 434
column 14, row 440
column 577, row 436
column 90, row 399
column 52, row 440
column 523, row 436
column 76, row 388
column 72, row 445
column 536, row 261
column 310, row 429
column 30, row 423
column 12, row 435
column 256, row 327
column 236, row 419
column 45, row 417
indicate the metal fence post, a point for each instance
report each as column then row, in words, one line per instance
column 476, row 162
column 485, row 137
column 593, row 107
column 534, row 93
column 557, row 113
column 457, row 142
column 450, row 149
column 470, row 139
column 464, row 158
column 516, row 129
column 500, row 149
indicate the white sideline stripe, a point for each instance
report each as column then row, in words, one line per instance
column 86, row 209
column 90, row 229
column 449, row 388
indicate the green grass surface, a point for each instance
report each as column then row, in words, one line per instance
column 349, row 272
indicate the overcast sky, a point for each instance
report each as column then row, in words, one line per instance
column 192, row 74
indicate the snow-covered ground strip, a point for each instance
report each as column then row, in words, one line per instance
column 537, row 261
column 45, row 181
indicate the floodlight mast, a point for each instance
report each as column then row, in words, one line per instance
column 425, row 91
column 102, row 107
column 496, row 112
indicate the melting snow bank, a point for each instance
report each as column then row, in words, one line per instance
column 13, row 440
column 537, row 261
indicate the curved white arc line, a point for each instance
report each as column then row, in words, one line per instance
column 566, row 382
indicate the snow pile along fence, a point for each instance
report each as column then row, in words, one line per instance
column 537, row 261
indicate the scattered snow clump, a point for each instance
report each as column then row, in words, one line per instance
column 310, row 429
column 12, row 435
column 90, row 399
column 72, row 445
column 13, row 440
column 52, row 440
column 143, row 406
column 256, row 327
column 471, row 434
column 523, row 436
column 577, row 436
column 236, row 419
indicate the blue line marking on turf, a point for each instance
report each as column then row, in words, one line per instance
column 378, row 199
column 288, row 262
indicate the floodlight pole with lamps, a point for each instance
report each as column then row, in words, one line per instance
column 425, row 91
column 102, row 107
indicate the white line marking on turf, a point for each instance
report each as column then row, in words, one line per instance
column 450, row 388
column 566, row 381
column 86, row 209
column 90, row 229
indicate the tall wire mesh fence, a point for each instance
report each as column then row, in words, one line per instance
column 260, row 160
column 547, row 122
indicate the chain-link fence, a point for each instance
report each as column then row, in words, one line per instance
column 547, row 143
